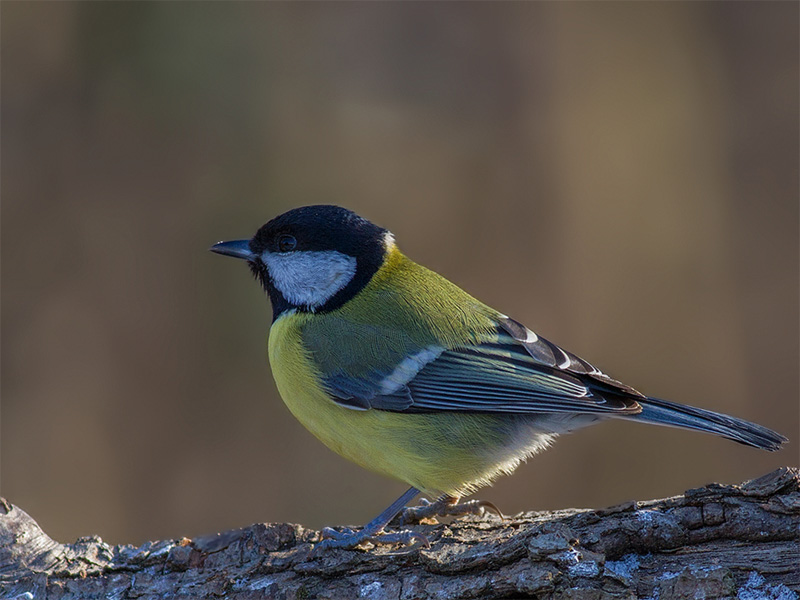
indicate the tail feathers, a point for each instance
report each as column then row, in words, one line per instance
column 662, row 412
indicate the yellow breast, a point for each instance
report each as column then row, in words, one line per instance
column 445, row 452
column 449, row 453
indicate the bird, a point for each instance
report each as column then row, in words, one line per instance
column 399, row 370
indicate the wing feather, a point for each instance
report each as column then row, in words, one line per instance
column 512, row 371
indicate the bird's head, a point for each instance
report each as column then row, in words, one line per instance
column 312, row 258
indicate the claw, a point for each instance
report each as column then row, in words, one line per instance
column 372, row 533
column 487, row 506
column 447, row 507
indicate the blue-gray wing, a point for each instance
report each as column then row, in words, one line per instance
column 512, row 371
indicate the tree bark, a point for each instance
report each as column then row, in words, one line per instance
column 719, row 541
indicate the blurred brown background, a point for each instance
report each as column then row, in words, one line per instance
column 621, row 177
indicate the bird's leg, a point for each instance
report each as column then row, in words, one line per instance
column 373, row 531
column 446, row 506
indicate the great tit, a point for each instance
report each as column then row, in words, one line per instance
column 399, row 370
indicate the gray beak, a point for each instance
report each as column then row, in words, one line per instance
column 235, row 248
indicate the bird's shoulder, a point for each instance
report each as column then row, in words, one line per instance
column 403, row 305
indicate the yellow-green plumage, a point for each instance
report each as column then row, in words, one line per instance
column 452, row 452
column 402, row 372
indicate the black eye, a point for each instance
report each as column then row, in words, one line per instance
column 286, row 243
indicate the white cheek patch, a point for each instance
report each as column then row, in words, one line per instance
column 309, row 278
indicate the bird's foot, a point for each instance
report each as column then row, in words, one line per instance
column 349, row 538
column 446, row 506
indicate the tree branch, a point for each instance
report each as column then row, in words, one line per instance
column 716, row 541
